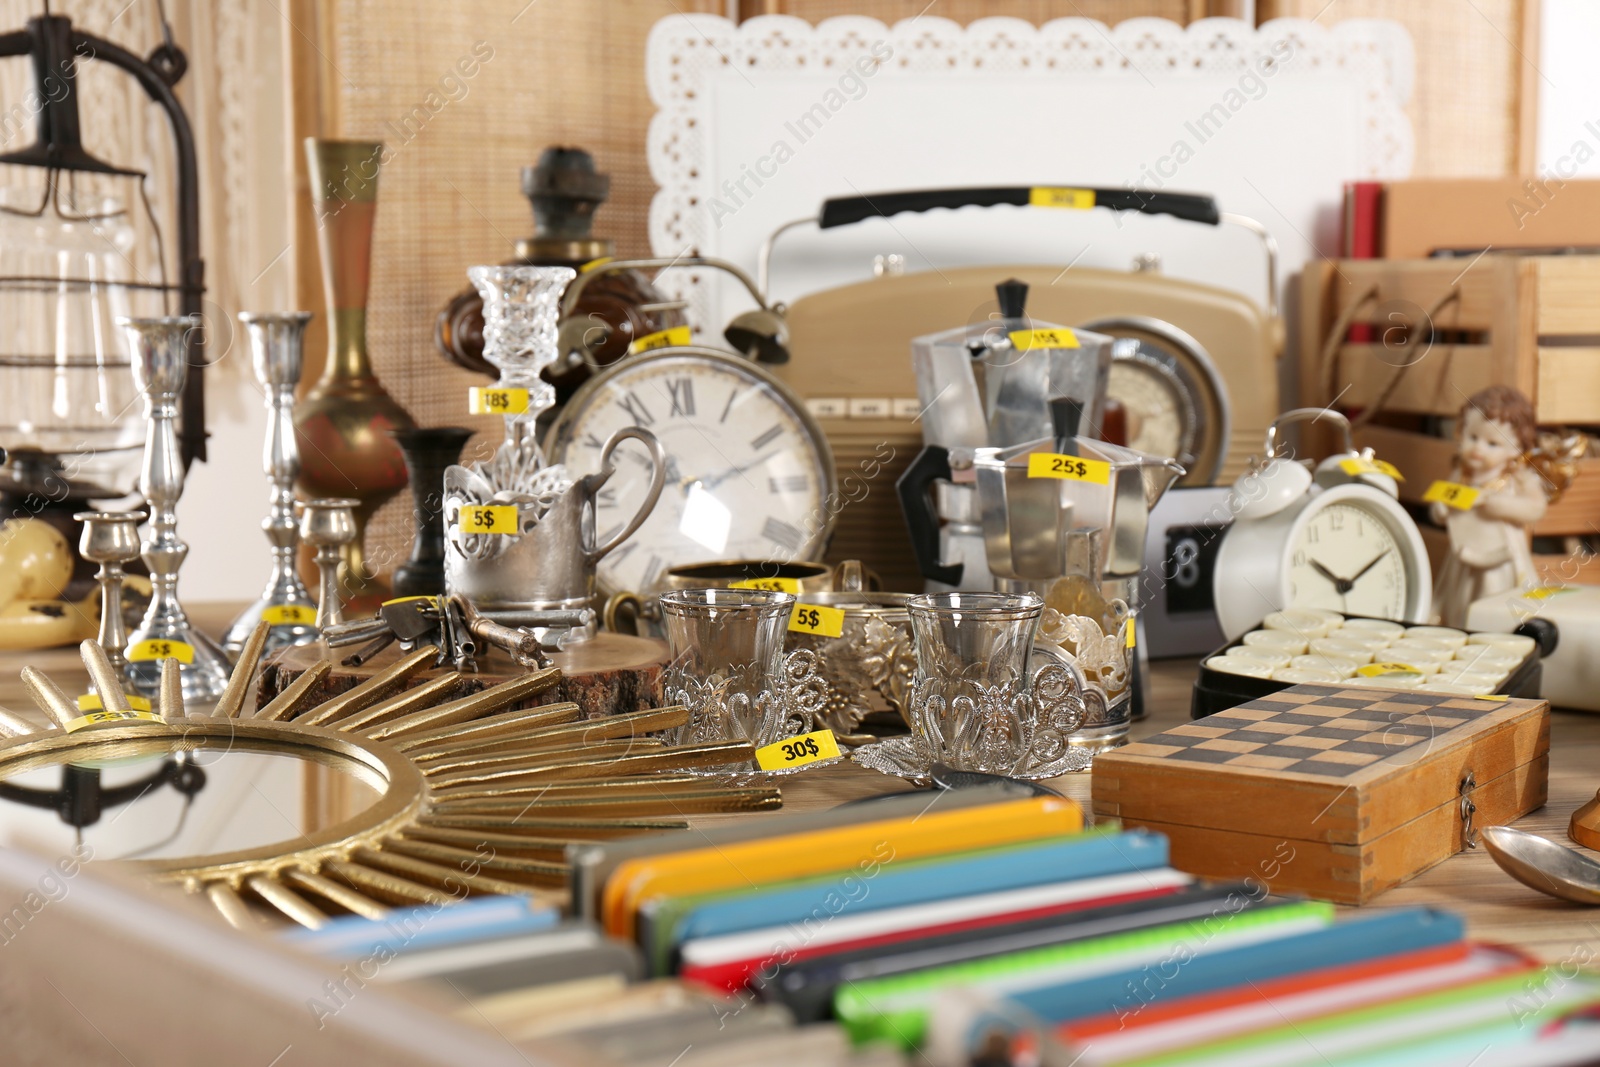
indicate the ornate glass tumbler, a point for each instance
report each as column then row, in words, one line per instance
column 985, row 697
column 729, row 669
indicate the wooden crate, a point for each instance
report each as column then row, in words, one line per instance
column 1531, row 322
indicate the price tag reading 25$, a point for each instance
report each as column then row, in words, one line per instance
column 798, row 751
column 816, row 619
column 1073, row 468
column 487, row 519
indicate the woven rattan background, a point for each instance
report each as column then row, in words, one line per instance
column 572, row 71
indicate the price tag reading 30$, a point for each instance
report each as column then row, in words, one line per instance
column 816, row 619
column 1073, row 468
column 798, row 751
column 487, row 519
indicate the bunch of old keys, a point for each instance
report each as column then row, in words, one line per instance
column 456, row 627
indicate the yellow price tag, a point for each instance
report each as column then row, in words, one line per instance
column 488, row 519
column 1381, row 670
column 1491, row 696
column 1128, row 632
column 798, row 751
column 91, row 702
column 593, row 263
column 290, row 615
column 485, row 401
column 145, row 651
column 1360, row 465
column 1060, row 337
column 1545, row 592
column 816, row 619
column 1451, row 495
column 404, row 600
column 1058, row 196
column 100, row 718
column 1072, row 468
column 674, row 337
column 772, row 585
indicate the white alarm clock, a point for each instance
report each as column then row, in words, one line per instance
column 1337, row 540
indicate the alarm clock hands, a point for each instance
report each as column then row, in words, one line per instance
column 1344, row 585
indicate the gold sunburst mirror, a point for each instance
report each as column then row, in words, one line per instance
column 440, row 798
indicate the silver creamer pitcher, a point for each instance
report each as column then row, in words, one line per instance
column 547, row 559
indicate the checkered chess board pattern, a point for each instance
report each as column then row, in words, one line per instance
column 1328, row 731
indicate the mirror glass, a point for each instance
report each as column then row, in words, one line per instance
column 151, row 800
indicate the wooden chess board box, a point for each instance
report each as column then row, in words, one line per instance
column 1338, row 793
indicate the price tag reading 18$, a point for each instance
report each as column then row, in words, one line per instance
column 798, row 751
column 816, row 619
column 487, row 519
column 675, row 337
column 1073, row 468
column 1030, row 339
column 1451, row 495
column 771, row 585
column 145, row 651
column 485, row 401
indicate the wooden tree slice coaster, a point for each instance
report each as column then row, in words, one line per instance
column 609, row 675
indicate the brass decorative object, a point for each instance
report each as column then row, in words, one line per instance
column 329, row 526
column 160, row 351
column 343, row 423
column 111, row 538
column 276, row 356
column 474, row 798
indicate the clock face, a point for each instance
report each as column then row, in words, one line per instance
column 748, row 474
column 1347, row 558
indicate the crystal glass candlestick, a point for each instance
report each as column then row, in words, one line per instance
column 328, row 525
column 159, row 370
column 276, row 355
column 111, row 538
column 521, row 306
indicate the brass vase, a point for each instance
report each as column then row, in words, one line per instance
column 343, row 424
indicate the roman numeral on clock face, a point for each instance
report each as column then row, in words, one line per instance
column 783, row 534
column 682, row 393
column 631, row 403
column 767, row 437
column 789, row 483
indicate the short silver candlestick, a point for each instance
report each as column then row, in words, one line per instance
column 160, row 365
column 111, row 538
column 277, row 345
column 328, row 525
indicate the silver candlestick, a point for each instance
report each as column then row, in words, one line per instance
column 328, row 525
column 111, row 538
column 159, row 368
column 276, row 350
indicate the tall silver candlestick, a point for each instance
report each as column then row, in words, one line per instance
column 159, row 369
column 276, row 354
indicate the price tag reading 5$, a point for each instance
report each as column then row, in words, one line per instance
column 798, row 751
column 289, row 615
column 484, row 401
column 816, row 619
column 145, row 651
column 1074, row 468
column 487, row 519
column 1451, row 495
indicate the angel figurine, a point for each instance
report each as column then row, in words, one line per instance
column 1496, row 439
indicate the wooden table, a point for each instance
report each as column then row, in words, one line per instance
column 1496, row 907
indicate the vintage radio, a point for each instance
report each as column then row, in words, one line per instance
column 1202, row 386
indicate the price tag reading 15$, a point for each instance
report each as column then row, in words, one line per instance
column 1073, row 468
column 771, row 585
column 816, row 619
column 798, row 751
column 487, row 519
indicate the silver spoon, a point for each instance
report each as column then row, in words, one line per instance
column 1542, row 864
